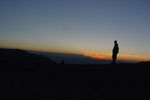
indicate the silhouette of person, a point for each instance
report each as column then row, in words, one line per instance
column 115, row 51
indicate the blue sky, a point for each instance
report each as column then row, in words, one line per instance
column 77, row 26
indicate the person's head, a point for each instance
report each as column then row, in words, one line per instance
column 115, row 41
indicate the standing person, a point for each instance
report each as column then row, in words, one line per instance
column 115, row 51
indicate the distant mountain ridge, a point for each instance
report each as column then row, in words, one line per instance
column 21, row 56
column 71, row 58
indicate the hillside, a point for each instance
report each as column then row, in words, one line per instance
column 17, row 56
column 75, row 82
column 25, row 76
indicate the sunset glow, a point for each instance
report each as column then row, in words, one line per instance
column 120, row 57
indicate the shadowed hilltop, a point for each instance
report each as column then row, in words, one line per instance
column 35, row 77
column 17, row 56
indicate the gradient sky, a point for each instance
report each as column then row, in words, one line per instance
column 86, row 27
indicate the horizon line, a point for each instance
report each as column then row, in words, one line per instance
column 94, row 57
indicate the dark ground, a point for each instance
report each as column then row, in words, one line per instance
column 75, row 82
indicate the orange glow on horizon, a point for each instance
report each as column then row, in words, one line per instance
column 98, row 56
column 120, row 57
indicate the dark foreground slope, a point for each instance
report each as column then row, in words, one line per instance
column 75, row 82
column 25, row 76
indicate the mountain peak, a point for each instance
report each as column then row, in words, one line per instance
column 21, row 56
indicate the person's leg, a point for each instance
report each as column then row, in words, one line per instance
column 114, row 58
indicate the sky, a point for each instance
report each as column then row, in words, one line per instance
column 87, row 27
